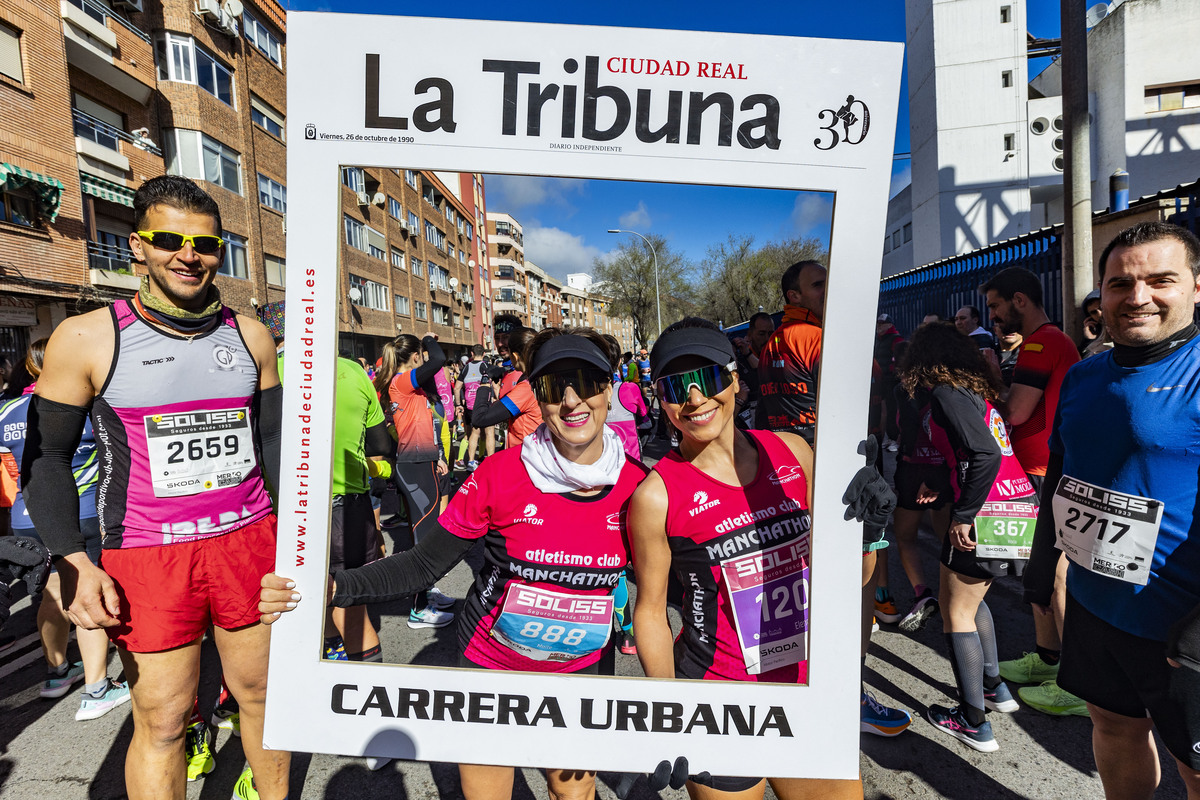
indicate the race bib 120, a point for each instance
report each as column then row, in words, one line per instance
column 769, row 593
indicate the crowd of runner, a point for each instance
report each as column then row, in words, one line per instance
column 143, row 452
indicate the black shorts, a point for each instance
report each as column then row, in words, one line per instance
column 353, row 537
column 722, row 783
column 1037, row 481
column 1129, row 675
column 910, row 476
column 985, row 569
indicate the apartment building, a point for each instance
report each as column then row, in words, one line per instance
column 100, row 95
column 506, row 254
column 407, row 259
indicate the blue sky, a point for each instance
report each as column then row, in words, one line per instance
column 566, row 221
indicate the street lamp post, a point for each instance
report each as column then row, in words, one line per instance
column 657, row 300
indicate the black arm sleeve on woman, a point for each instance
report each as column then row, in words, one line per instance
column 1043, row 558
column 437, row 360
column 960, row 414
column 47, row 482
column 493, row 414
column 402, row 574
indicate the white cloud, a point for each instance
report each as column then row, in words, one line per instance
column 900, row 178
column 638, row 218
column 515, row 193
column 813, row 214
column 559, row 252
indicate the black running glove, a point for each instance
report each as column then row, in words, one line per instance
column 868, row 498
column 663, row 776
column 23, row 558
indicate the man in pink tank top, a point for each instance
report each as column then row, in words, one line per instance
column 185, row 399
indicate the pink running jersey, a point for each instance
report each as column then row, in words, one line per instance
column 711, row 524
column 628, row 405
column 558, row 545
column 175, row 432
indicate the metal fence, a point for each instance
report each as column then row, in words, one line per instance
column 945, row 286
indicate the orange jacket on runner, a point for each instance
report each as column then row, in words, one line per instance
column 787, row 374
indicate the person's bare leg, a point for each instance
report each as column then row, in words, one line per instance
column 868, row 600
column 473, row 444
column 1058, row 602
column 881, row 573
column 244, row 662
column 1126, row 757
column 484, row 782
column 162, row 687
column 961, row 597
column 54, row 627
column 697, row 792
column 816, row 789
column 905, row 525
column 355, row 628
column 1191, row 779
column 489, row 441
column 570, row 784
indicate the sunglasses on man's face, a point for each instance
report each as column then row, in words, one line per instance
column 203, row 243
column 552, row 387
column 710, row 380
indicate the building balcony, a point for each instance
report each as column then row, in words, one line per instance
column 111, row 266
column 92, row 32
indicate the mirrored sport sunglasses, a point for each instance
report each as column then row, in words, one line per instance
column 552, row 386
column 203, row 243
column 710, row 380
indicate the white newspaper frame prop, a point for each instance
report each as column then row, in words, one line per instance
column 809, row 114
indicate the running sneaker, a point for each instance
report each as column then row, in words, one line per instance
column 472, row 465
column 1052, row 699
column 93, row 707
column 922, row 609
column 440, row 601
column 198, row 750
column 244, row 788
column 429, row 617
column 1029, row 668
column 225, row 716
column 57, row 685
column 627, row 644
column 460, row 465
column 880, row 720
column 951, row 721
column 335, row 649
column 886, row 611
column 874, row 625
column 1000, row 699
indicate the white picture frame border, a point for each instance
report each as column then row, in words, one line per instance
column 326, row 90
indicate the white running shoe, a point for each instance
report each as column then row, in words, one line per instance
column 440, row 601
column 429, row 617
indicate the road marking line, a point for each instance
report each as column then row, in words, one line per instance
column 23, row 661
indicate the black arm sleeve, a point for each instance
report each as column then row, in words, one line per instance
column 401, row 574
column 270, row 424
column 437, row 360
column 47, row 482
column 1043, row 558
column 975, row 450
column 377, row 442
column 493, row 414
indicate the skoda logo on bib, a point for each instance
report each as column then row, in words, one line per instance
column 225, row 356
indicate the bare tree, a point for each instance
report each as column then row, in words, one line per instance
column 739, row 278
column 628, row 280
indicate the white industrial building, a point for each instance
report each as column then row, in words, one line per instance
column 987, row 142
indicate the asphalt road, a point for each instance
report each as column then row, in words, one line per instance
column 46, row 755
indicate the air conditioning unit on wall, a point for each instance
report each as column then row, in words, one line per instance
column 208, row 8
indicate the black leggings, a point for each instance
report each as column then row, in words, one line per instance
column 418, row 483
